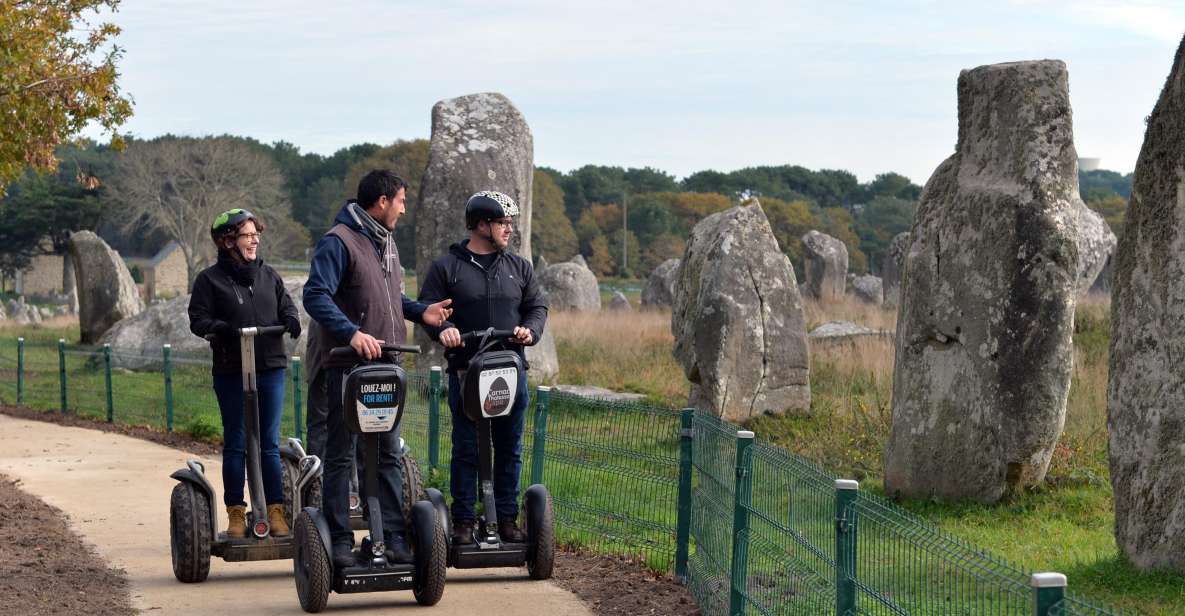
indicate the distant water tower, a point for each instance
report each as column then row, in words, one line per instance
column 1089, row 164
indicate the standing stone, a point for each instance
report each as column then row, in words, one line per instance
column 1102, row 284
column 106, row 292
column 570, row 286
column 1146, row 387
column 869, row 289
column 1096, row 244
column 479, row 142
column 825, row 267
column 620, row 303
column 579, row 259
column 987, row 302
column 541, row 264
column 660, row 286
column 738, row 320
column 541, row 357
column 891, row 271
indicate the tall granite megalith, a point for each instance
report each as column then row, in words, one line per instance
column 479, row 142
column 987, row 299
column 1096, row 244
column 825, row 267
column 891, row 269
column 106, row 291
column 1146, row 387
column 738, row 321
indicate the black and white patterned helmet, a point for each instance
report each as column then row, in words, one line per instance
column 488, row 205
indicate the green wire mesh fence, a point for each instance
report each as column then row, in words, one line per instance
column 750, row 528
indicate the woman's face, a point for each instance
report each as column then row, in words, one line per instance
column 247, row 241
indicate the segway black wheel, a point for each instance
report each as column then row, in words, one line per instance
column 288, row 476
column 310, row 563
column 413, row 483
column 540, row 533
column 312, row 494
column 431, row 560
column 189, row 532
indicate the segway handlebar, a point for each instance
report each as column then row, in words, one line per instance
column 346, row 351
column 492, row 333
column 264, row 330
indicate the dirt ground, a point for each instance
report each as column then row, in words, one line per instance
column 45, row 568
column 610, row 586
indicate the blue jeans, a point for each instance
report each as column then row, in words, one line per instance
column 229, row 389
column 339, row 465
column 507, row 435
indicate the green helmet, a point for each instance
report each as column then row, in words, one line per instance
column 229, row 221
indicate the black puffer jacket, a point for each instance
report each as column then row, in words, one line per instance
column 220, row 305
column 504, row 296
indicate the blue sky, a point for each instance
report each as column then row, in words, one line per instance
column 681, row 86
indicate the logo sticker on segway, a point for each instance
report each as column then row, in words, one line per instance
column 376, row 407
column 496, row 389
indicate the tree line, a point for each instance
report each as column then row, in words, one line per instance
column 624, row 221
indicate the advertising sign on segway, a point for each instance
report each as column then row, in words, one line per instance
column 497, row 388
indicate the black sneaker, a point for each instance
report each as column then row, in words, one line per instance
column 343, row 556
column 509, row 531
column 463, row 532
column 397, row 551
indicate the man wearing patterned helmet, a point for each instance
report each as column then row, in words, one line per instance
column 490, row 287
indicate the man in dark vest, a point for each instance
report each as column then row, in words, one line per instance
column 353, row 293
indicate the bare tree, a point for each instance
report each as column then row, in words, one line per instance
column 179, row 184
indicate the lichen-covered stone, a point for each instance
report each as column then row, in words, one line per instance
column 660, row 286
column 1096, row 244
column 891, row 270
column 479, row 142
column 868, row 289
column 106, row 291
column 1146, row 387
column 983, row 351
column 570, row 286
column 825, row 266
column 738, row 320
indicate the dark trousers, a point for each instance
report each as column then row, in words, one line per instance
column 317, row 417
column 339, row 456
column 229, row 390
column 507, row 436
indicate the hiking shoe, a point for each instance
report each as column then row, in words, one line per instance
column 509, row 531
column 275, row 519
column 397, row 551
column 237, row 528
column 343, row 556
column 463, row 532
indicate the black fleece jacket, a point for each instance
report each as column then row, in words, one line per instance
column 504, row 296
column 220, row 305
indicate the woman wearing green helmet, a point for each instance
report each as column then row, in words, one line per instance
column 241, row 291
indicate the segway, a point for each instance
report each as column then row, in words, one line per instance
column 488, row 390
column 192, row 524
column 372, row 404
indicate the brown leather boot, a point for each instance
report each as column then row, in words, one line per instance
column 275, row 519
column 463, row 531
column 237, row 529
column 509, row 531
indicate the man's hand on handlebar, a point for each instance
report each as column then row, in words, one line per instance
column 437, row 313
column 523, row 335
column 366, row 346
column 450, row 338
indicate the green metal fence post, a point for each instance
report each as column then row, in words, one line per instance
column 107, row 380
column 743, row 496
column 845, row 546
column 537, row 450
column 1048, row 590
column 20, row 371
column 433, row 419
column 168, row 353
column 62, row 369
column 683, row 515
column 296, row 398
